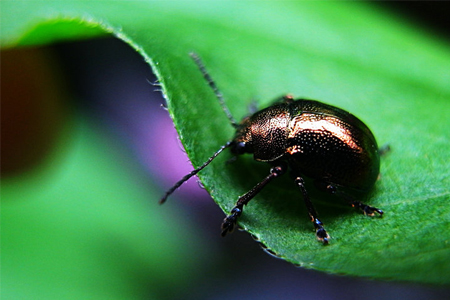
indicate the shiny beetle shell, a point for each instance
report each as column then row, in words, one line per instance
column 323, row 141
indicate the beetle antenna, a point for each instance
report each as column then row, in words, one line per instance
column 213, row 85
column 194, row 172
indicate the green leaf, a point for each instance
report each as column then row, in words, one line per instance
column 351, row 55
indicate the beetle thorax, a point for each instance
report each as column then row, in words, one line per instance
column 265, row 133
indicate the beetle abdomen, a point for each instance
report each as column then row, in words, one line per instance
column 321, row 145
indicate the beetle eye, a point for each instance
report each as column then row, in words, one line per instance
column 239, row 148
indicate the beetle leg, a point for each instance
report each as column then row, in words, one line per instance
column 366, row 209
column 321, row 233
column 383, row 150
column 230, row 221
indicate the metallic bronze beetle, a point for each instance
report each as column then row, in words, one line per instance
column 310, row 138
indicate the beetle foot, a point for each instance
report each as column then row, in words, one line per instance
column 229, row 222
column 321, row 233
column 383, row 150
column 367, row 209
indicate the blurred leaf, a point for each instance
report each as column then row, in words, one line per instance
column 352, row 55
column 81, row 226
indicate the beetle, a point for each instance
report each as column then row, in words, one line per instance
column 309, row 138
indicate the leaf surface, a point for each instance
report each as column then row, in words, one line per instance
column 390, row 74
